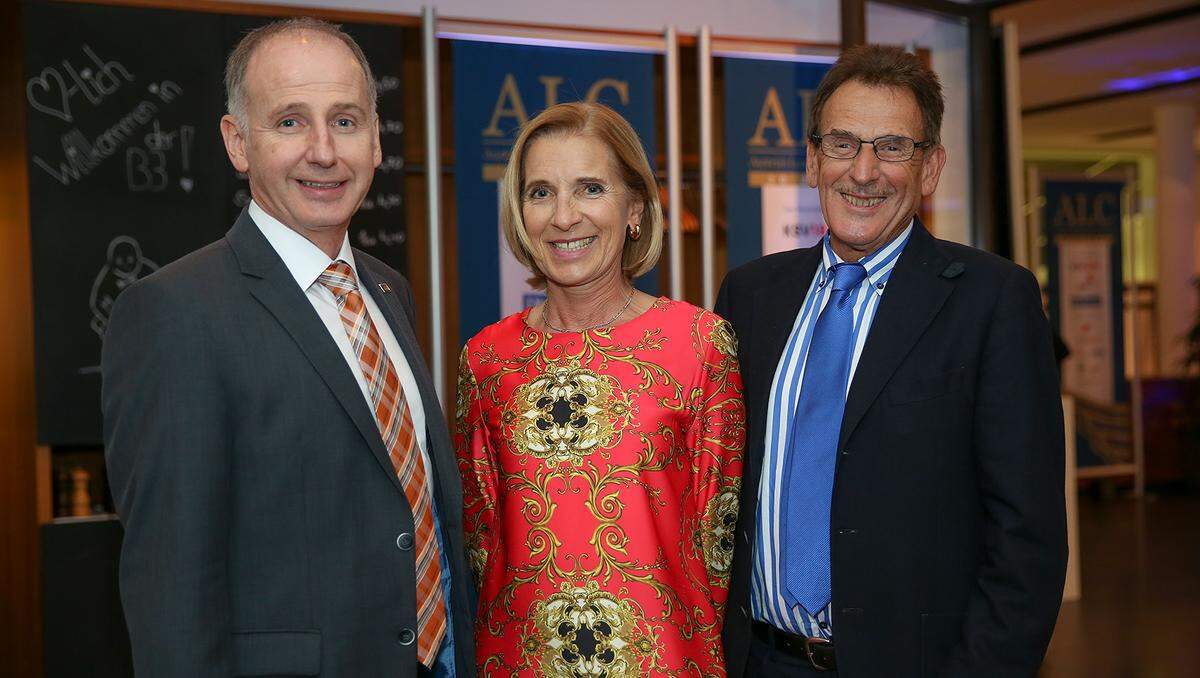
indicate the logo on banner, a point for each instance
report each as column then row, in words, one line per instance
column 1087, row 211
column 776, row 154
column 510, row 108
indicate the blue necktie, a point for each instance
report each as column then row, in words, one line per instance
column 812, row 445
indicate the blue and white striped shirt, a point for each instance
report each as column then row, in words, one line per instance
column 766, row 594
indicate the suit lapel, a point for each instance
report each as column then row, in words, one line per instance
column 274, row 287
column 774, row 313
column 439, row 448
column 397, row 318
column 915, row 293
column 775, row 309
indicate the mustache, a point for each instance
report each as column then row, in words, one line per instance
column 864, row 190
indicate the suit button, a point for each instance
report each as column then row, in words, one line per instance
column 406, row 637
column 405, row 541
column 846, row 531
column 845, row 453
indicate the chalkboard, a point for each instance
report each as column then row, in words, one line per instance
column 127, row 172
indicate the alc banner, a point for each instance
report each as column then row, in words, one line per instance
column 497, row 88
column 1082, row 222
column 1083, row 253
column 768, row 206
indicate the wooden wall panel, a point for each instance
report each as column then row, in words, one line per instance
column 20, row 618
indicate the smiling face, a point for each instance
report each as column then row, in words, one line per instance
column 311, row 139
column 576, row 210
column 867, row 202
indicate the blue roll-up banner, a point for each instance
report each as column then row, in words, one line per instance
column 497, row 88
column 1082, row 223
column 1083, row 254
column 768, row 206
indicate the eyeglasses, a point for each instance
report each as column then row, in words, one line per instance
column 888, row 148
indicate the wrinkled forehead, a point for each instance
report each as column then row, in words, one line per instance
column 870, row 111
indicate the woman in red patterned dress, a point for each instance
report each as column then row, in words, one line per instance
column 599, row 434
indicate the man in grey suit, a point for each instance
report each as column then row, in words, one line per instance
column 276, row 449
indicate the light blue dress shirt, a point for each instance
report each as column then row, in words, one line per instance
column 766, row 587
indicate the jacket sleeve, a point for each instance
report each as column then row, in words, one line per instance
column 1018, row 443
column 168, row 462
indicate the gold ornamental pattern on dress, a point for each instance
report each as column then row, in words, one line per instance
column 600, row 478
column 395, row 423
column 566, row 413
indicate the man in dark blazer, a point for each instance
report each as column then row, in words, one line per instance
column 276, row 448
column 902, row 510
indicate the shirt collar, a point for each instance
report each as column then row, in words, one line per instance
column 304, row 260
column 879, row 264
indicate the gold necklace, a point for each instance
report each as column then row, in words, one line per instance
column 546, row 317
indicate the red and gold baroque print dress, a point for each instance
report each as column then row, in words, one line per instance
column 601, row 473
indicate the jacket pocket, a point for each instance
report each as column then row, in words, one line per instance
column 940, row 633
column 926, row 387
column 277, row 653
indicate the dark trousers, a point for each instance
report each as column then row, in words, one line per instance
column 767, row 661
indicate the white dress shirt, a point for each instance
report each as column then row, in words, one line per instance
column 307, row 262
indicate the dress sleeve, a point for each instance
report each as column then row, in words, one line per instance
column 476, row 464
column 717, row 437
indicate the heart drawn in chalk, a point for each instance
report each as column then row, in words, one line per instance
column 50, row 85
column 186, row 184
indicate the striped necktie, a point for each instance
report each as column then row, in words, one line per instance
column 396, row 427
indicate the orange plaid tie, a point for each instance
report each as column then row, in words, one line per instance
column 396, row 426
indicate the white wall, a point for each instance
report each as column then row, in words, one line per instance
column 799, row 20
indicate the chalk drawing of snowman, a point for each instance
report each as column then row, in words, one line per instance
column 125, row 265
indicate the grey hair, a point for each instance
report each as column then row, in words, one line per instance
column 239, row 59
column 884, row 66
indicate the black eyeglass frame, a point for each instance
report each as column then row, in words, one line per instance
column 917, row 145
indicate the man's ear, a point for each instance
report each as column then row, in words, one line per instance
column 235, row 143
column 931, row 171
column 812, row 167
column 378, row 144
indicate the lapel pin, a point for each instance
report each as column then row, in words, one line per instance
column 385, row 288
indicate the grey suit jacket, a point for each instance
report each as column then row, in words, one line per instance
column 262, row 515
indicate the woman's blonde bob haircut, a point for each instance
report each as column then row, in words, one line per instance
column 605, row 124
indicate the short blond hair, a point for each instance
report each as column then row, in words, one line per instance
column 599, row 122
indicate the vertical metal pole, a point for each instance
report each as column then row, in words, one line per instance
column 982, row 130
column 708, row 245
column 433, row 170
column 1016, row 174
column 674, row 165
column 1135, row 397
